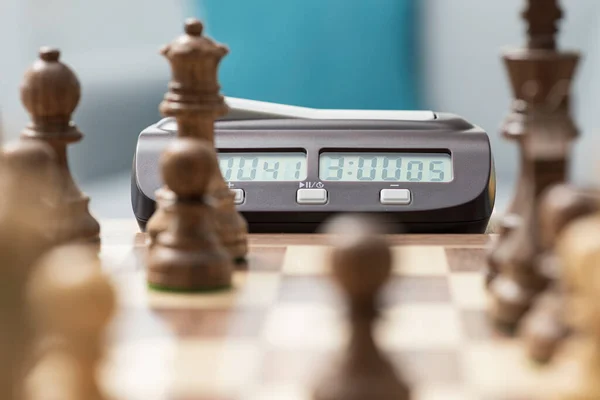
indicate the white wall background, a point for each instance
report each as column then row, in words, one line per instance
column 462, row 43
column 113, row 45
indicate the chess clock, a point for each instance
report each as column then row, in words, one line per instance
column 291, row 168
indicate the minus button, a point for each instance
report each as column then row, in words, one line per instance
column 395, row 196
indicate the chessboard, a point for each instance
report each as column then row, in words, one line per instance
column 271, row 335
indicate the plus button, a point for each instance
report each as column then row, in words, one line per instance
column 229, row 185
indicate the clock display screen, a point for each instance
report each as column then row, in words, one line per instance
column 385, row 167
column 263, row 167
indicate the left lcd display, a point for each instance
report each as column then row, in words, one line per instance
column 263, row 167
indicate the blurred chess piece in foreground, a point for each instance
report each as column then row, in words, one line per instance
column 28, row 178
column 361, row 264
column 71, row 302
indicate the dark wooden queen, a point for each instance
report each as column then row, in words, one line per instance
column 194, row 100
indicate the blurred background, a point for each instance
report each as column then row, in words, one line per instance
column 373, row 54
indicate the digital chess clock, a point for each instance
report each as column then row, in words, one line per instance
column 291, row 167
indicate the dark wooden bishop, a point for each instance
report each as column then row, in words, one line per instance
column 541, row 123
column 50, row 92
column 361, row 265
column 188, row 256
column 194, row 100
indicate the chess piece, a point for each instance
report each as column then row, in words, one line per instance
column 188, row 256
column 194, row 101
column 543, row 329
column 159, row 221
column 579, row 252
column 541, row 77
column 50, row 92
column 71, row 303
column 27, row 178
column 536, row 88
column 361, row 265
column 507, row 224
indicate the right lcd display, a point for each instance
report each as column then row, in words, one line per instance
column 385, row 167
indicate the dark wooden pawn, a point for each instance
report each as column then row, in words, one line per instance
column 361, row 265
column 188, row 256
column 50, row 92
column 541, row 78
column 544, row 327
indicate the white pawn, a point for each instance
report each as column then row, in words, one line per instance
column 71, row 303
column 579, row 252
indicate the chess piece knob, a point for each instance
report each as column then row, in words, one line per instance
column 359, row 243
column 193, row 44
column 188, row 166
column 50, row 90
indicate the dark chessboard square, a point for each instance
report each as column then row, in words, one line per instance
column 265, row 259
column 466, row 259
column 308, row 289
column 417, row 289
column 477, row 325
column 212, row 324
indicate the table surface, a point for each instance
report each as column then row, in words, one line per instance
column 283, row 322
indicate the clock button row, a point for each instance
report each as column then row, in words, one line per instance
column 319, row 196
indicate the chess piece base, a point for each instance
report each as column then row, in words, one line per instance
column 188, row 270
column 349, row 384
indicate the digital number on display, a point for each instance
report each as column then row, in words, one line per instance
column 385, row 167
column 263, row 167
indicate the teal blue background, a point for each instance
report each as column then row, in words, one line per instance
column 317, row 53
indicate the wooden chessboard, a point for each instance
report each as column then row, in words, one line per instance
column 269, row 337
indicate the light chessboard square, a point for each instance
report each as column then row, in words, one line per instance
column 224, row 369
column 310, row 327
column 306, row 260
column 407, row 260
column 420, row 326
column 468, row 290
column 419, row 260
